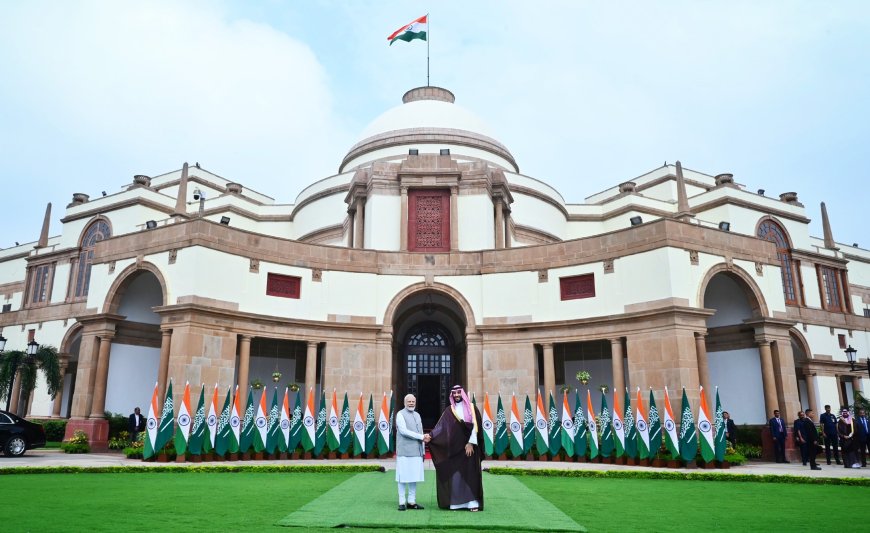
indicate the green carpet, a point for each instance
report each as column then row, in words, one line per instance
column 370, row 500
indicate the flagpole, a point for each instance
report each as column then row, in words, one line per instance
column 428, row 28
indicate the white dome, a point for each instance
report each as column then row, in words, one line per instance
column 426, row 114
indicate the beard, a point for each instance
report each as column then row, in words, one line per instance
column 410, row 408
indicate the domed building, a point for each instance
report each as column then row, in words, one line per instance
column 429, row 260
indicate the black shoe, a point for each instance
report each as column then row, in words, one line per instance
column 402, row 507
column 415, row 506
column 816, row 468
column 829, row 463
column 838, row 462
column 787, row 462
column 805, row 464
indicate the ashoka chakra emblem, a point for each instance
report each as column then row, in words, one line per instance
column 487, row 424
column 358, row 426
column 261, row 422
column 641, row 425
column 333, row 421
column 152, row 423
column 592, row 427
column 567, row 423
column 308, row 421
column 285, row 424
column 617, row 425
column 704, row 426
column 669, row 425
column 541, row 423
column 212, row 420
column 383, row 426
column 234, row 421
column 515, row 427
column 183, row 420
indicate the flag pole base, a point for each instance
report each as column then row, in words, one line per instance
column 631, row 461
column 644, row 462
column 543, row 457
column 691, row 465
column 673, row 463
column 556, row 459
column 620, row 460
column 725, row 465
column 161, row 458
column 294, row 456
column 181, row 458
column 709, row 466
column 234, row 456
column 195, row 459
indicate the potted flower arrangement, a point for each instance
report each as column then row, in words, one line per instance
column 583, row 377
column 604, row 388
column 564, row 389
column 256, row 384
column 276, row 376
column 294, row 387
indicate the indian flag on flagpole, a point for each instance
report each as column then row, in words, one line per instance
column 568, row 427
column 359, row 428
column 705, row 425
column 285, row 421
column 308, row 422
column 417, row 29
column 542, row 429
column 592, row 427
column 235, row 423
column 672, row 441
column 212, row 419
column 182, row 431
column 515, row 430
column 333, row 436
column 151, row 426
column 383, row 428
column 618, row 427
column 642, row 429
column 488, row 426
column 261, row 424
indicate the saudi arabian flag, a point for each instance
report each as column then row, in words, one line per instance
column 383, row 428
column 554, row 428
column 344, row 427
column 320, row 428
column 567, row 427
column 182, row 422
column 605, row 446
column 371, row 428
column 333, row 435
column 672, row 441
column 688, row 433
column 655, row 426
column 528, row 426
column 488, row 428
column 269, row 428
column 640, row 423
column 296, row 426
column 630, row 430
column 151, row 426
column 211, row 421
column 224, row 431
column 579, row 426
column 516, row 435
column 415, row 30
column 197, row 430
column 308, row 422
column 719, row 423
column 542, row 430
column 167, row 421
column 501, row 430
column 705, row 426
column 246, row 436
column 235, row 424
column 359, row 428
column 592, row 427
column 618, row 427
column 285, row 421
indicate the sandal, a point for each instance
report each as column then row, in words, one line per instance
column 474, row 509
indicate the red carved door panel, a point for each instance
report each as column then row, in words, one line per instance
column 429, row 220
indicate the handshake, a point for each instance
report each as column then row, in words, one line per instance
column 427, row 437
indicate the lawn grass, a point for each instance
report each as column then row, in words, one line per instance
column 248, row 501
column 52, row 444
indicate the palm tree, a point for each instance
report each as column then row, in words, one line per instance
column 26, row 365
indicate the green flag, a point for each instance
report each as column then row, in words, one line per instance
column 320, row 427
column 167, row 422
column 579, row 426
column 554, row 428
column 247, row 436
column 274, row 435
column 655, row 426
column 344, row 427
column 224, row 431
column 719, row 423
column 688, row 433
column 630, row 430
column 501, row 430
column 295, row 425
column 604, row 422
column 528, row 426
column 371, row 428
column 197, row 431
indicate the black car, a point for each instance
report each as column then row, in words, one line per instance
column 18, row 435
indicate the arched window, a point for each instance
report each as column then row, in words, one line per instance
column 96, row 232
column 773, row 232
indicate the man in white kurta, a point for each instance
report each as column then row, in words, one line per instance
column 409, row 453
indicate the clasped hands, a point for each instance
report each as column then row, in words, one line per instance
column 427, row 437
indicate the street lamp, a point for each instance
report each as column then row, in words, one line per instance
column 32, row 348
column 853, row 359
column 2, row 343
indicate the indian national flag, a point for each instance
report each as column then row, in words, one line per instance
column 308, row 422
column 642, row 429
column 212, row 419
column 567, row 427
column 488, row 426
column 333, row 435
column 235, row 423
column 151, row 426
column 705, row 425
column 182, row 430
column 515, row 430
column 261, row 424
column 359, row 428
column 384, row 428
column 285, row 421
column 592, row 427
column 415, row 30
column 672, row 440
column 542, row 430
column 618, row 427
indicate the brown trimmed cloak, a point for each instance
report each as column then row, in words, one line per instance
column 458, row 478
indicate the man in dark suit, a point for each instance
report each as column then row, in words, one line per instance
column 135, row 424
column 730, row 429
column 778, row 432
column 798, row 439
column 808, row 439
column 862, row 434
column 829, row 428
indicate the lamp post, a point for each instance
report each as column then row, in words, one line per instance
column 32, row 348
column 853, row 360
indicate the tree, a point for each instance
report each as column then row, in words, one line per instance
column 26, row 367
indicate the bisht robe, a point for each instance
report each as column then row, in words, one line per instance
column 458, row 478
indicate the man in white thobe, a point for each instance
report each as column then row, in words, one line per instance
column 409, row 453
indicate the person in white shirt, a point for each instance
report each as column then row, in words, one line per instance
column 410, row 441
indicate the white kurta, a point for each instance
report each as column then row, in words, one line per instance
column 408, row 469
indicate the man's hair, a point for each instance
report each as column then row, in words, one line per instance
column 808, row 411
column 827, row 407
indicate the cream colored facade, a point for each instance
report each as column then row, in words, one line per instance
column 430, row 259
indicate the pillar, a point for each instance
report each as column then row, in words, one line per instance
column 84, row 390
column 474, row 362
column 857, row 386
column 507, row 231
column 98, row 406
column 549, row 369
column 163, row 365
column 311, row 366
column 703, row 365
column 767, row 378
column 359, row 222
column 403, row 223
column 244, row 366
column 58, row 398
column 811, row 393
column 454, row 218
column 618, row 366
column 499, row 224
column 16, row 392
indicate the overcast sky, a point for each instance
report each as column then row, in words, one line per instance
column 585, row 95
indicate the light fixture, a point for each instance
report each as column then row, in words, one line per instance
column 761, row 192
column 151, row 224
column 428, row 305
column 197, row 193
column 725, row 226
column 2, row 343
column 32, row 347
column 445, row 151
column 636, row 220
column 853, row 358
column 225, row 221
column 413, row 151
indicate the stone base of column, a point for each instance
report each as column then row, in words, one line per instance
column 792, row 452
column 97, row 430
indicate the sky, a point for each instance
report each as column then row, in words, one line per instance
column 585, row 95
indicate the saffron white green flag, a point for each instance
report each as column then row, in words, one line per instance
column 591, row 427
column 516, row 437
column 417, row 29
column 488, row 426
column 151, row 425
column 182, row 422
column 705, row 426
column 618, row 427
column 359, row 428
column 211, row 420
column 567, row 427
column 642, row 428
column 333, row 435
column 672, row 441
column 383, row 428
column 308, row 422
column 542, row 430
column 235, row 423
column 285, row 421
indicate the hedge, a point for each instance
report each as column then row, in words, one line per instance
column 229, row 469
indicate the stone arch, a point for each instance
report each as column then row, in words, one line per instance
column 119, row 286
column 90, row 223
column 798, row 338
column 69, row 337
column 446, row 290
column 776, row 221
column 750, row 289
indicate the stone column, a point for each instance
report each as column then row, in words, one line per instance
column 811, row 393
column 703, row 365
column 549, row 369
column 474, row 362
column 84, row 390
column 857, row 385
column 767, row 377
column 58, row 399
column 403, row 222
column 359, row 222
column 352, row 227
column 507, row 230
column 244, row 366
column 311, row 366
column 98, row 407
column 16, row 392
column 163, row 365
column 618, row 367
column 499, row 224
column 454, row 218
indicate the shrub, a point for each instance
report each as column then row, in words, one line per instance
column 54, row 429
column 117, row 423
column 747, row 434
column 133, row 452
column 120, row 442
column 78, row 443
column 735, row 458
column 748, row 451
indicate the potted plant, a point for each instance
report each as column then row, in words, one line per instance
column 583, row 377
column 564, row 389
column 294, row 387
column 276, row 376
column 257, row 384
column 603, row 388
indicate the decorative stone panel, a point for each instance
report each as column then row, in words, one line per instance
column 608, row 266
column 254, row 266
column 543, row 276
column 693, row 257
column 316, row 274
column 173, row 255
